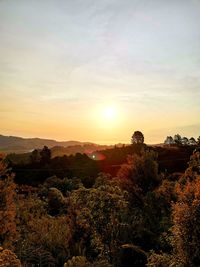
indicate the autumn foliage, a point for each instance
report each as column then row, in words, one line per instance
column 140, row 217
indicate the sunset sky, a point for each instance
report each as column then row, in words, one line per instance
column 97, row 71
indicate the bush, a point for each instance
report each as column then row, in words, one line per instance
column 161, row 260
column 8, row 258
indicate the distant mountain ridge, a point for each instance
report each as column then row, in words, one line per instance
column 14, row 144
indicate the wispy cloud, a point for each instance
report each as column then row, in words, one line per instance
column 58, row 57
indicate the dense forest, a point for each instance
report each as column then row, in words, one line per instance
column 133, row 205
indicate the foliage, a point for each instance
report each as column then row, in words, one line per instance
column 80, row 261
column 177, row 139
column 102, row 220
column 159, row 216
column 45, row 233
column 45, row 155
column 193, row 169
column 141, row 171
column 86, row 169
column 8, row 258
column 137, row 138
column 97, row 213
column 161, row 260
column 35, row 156
column 56, row 201
column 37, row 257
column 198, row 141
column 8, row 231
column 28, row 208
column 65, row 185
column 186, row 216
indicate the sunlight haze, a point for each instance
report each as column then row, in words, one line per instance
column 99, row 70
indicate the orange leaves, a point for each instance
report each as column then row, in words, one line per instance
column 8, row 230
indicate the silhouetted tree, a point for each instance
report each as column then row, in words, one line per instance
column 35, row 156
column 137, row 138
column 177, row 139
column 198, row 141
column 45, row 155
column 192, row 141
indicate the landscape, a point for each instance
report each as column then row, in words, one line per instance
column 99, row 133
column 125, row 205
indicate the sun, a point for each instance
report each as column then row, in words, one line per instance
column 107, row 116
column 109, row 113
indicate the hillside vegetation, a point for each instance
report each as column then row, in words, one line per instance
column 126, row 206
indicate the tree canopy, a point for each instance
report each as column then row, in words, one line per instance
column 137, row 138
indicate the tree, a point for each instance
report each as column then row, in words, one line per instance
column 169, row 141
column 177, row 139
column 186, row 216
column 8, row 258
column 192, row 141
column 160, row 260
column 45, row 155
column 8, row 231
column 141, row 171
column 35, row 156
column 56, row 201
column 81, row 261
column 98, row 213
column 137, row 138
column 198, row 141
column 184, row 141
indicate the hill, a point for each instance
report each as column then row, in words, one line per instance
column 90, row 164
column 14, row 144
column 58, row 151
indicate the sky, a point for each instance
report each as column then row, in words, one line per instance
column 65, row 63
